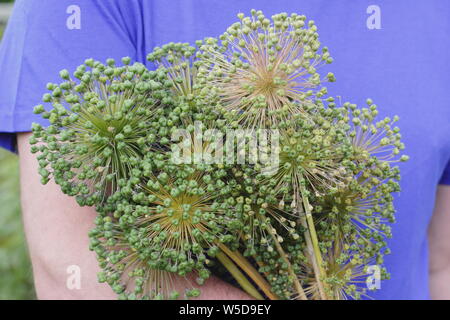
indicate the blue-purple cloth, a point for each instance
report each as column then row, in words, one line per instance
column 404, row 67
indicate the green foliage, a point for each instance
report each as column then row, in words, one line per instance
column 15, row 269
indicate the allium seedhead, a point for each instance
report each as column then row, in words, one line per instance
column 194, row 100
column 372, row 138
column 167, row 220
column 262, row 67
column 353, row 227
column 176, row 59
column 311, row 153
column 126, row 270
column 353, row 220
column 100, row 121
column 256, row 205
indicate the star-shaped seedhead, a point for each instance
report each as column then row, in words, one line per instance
column 261, row 67
column 168, row 221
column 103, row 119
column 256, row 205
column 194, row 99
column 125, row 268
column 353, row 219
column 177, row 61
column 313, row 152
column 371, row 138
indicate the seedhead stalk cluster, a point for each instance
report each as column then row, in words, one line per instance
column 309, row 230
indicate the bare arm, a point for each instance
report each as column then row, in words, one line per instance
column 439, row 238
column 56, row 229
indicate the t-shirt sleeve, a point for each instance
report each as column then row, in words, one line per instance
column 44, row 37
column 445, row 179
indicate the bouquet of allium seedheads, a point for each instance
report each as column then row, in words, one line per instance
column 307, row 230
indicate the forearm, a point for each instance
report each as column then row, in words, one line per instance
column 440, row 283
column 439, row 244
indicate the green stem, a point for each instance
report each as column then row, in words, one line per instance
column 308, row 222
column 239, row 276
column 246, row 266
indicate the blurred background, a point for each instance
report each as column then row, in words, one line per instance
column 15, row 269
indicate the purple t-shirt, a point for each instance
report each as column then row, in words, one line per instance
column 395, row 53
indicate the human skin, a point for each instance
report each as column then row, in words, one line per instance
column 439, row 238
column 57, row 234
